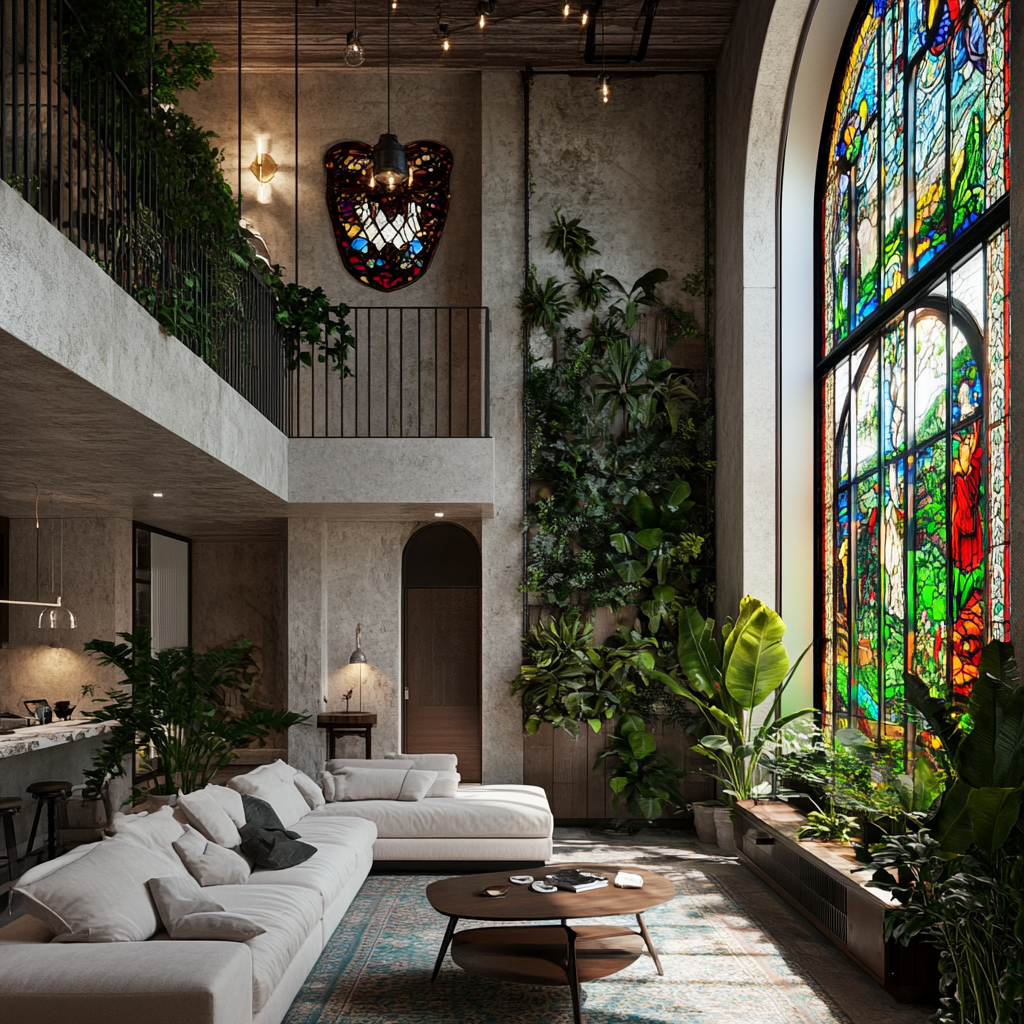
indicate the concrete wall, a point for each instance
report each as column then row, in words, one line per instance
column 238, row 591
column 68, row 309
column 631, row 169
column 335, row 107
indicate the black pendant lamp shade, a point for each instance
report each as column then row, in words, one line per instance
column 390, row 166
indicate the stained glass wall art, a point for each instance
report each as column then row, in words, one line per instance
column 915, row 150
column 386, row 239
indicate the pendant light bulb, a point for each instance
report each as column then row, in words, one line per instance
column 483, row 20
column 565, row 11
column 394, row 5
column 484, row 9
column 603, row 88
column 584, row 18
column 445, row 44
column 354, row 53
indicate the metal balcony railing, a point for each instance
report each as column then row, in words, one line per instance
column 417, row 371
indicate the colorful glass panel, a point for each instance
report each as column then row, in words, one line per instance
column 943, row 65
column 386, row 237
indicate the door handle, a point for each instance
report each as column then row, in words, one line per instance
column 407, row 693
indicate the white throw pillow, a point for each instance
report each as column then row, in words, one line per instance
column 429, row 762
column 102, row 896
column 188, row 914
column 208, row 863
column 288, row 803
column 205, row 813
column 446, row 784
column 311, row 792
column 49, row 866
column 381, row 784
column 156, row 830
column 230, row 801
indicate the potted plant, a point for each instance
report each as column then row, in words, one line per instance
column 730, row 676
column 174, row 700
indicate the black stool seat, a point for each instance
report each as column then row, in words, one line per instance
column 10, row 804
column 48, row 792
column 44, row 788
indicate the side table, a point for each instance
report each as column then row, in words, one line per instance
column 353, row 723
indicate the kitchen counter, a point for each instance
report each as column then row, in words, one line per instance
column 40, row 737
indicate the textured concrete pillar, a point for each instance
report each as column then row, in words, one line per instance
column 501, row 109
column 307, row 639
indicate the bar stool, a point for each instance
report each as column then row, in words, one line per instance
column 9, row 807
column 50, row 792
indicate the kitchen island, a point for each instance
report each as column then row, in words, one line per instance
column 40, row 737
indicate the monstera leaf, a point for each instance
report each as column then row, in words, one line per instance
column 386, row 239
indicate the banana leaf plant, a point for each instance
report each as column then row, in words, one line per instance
column 659, row 549
column 730, row 676
column 641, row 293
column 985, row 761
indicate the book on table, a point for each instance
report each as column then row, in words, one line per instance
column 577, row 881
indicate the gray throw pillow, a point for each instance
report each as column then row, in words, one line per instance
column 266, row 841
column 187, row 913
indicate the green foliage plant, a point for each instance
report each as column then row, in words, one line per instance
column 828, row 825
column 176, row 700
column 544, row 305
column 571, row 240
column 639, row 776
column 730, row 676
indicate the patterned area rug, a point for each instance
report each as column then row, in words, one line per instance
column 719, row 967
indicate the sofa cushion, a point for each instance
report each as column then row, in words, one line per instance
column 268, row 784
column 230, row 800
column 290, row 914
column 206, row 813
column 311, row 792
column 329, row 868
column 335, row 831
column 156, row 829
column 377, row 784
column 475, row 812
column 266, row 842
column 446, row 783
column 187, row 913
column 429, row 762
column 102, row 896
column 208, row 863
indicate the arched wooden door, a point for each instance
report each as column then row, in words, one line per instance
column 441, row 646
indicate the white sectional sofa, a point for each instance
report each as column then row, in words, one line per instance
column 165, row 981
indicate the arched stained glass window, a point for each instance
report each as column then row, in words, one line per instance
column 913, row 368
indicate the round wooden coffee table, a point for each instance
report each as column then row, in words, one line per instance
column 546, row 954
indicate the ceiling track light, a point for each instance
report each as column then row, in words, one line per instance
column 443, row 31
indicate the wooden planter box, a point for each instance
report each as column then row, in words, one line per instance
column 563, row 768
column 817, row 879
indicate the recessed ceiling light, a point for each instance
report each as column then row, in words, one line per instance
column 158, row 494
column 439, row 515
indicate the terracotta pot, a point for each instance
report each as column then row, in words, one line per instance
column 704, row 820
column 725, row 830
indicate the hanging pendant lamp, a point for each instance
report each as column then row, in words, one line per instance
column 390, row 166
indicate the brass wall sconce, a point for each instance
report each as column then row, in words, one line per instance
column 264, row 167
